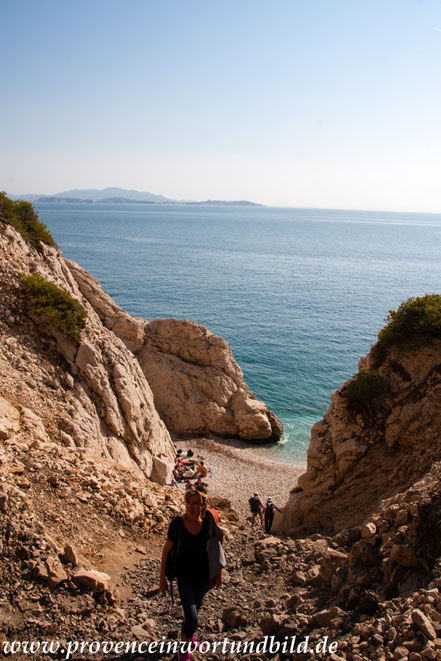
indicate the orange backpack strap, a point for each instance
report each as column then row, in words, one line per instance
column 215, row 515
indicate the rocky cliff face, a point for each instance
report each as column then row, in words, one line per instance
column 91, row 395
column 197, row 385
column 119, row 391
column 357, row 459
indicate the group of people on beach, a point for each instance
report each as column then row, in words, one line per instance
column 188, row 468
column 264, row 512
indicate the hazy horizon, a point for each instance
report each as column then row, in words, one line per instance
column 302, row 103
column 276, row 206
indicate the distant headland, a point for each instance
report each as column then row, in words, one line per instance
column 122, row 196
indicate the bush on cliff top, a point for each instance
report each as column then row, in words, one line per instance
column 66, row 314
column 24, row 218
column 416, row 316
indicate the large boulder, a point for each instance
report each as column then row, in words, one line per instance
column 197, row 385
column 9, row 419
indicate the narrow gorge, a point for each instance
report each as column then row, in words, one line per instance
column 87, row 417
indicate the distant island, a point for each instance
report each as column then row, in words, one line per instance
column 233, row 203
column 122, row 196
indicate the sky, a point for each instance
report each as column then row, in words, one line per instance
column 300, row 103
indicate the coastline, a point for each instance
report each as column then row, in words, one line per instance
column 238, row 472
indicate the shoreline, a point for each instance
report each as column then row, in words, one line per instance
column 238, row 472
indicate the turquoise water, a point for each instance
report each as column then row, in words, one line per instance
column 299, row 294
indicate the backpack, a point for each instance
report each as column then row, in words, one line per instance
column 269, row 510
column 254, row 505
column 216, row 555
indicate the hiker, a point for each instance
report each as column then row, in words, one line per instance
column 269, row 514
column 201, row 471
column 256, row 508
column 189, row 534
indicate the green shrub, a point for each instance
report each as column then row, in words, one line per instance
column 363, row 391
column 66, row 314
column 6, row 207
column 416, row 316
column 24, row 218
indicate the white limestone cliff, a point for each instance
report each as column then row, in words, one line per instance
column 119, row 391
column 197, row 385
column 103, row 400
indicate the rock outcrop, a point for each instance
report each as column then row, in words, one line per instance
column 357, row 459
column 90, row 395
column 127, row 383
column 197, row 385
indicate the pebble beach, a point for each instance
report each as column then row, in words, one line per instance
column 238, row 471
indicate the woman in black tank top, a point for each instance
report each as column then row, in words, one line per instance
column 190, row 535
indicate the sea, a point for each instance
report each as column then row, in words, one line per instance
column 299, row 294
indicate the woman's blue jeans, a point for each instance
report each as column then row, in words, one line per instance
column 191, row 591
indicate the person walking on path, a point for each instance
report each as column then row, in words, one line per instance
column 256, row 508
column 189, row 535
column 269, row 514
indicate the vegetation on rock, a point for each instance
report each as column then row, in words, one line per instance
column 24, row 218
column 416, row 316
column 362, row 392
column 66, row 313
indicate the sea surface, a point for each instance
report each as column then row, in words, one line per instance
column 299, row 294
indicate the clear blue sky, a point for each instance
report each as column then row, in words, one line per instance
column 318, row 103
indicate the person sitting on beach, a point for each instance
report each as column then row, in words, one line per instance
column 201, row 471
column 201, row 486
column 269, row 514
column 189, row 486
column 177, row 471
column 256, row 508
column 188, row 460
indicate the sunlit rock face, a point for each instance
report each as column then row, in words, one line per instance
column 100, row 398
column 197, row 385
column 356, row 459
